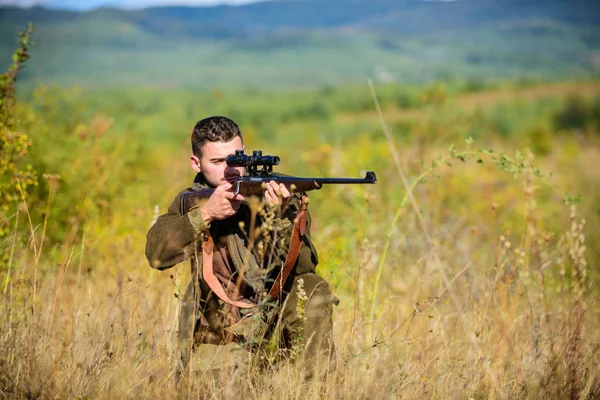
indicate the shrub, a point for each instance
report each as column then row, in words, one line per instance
column 575, row 114
column 16, row 176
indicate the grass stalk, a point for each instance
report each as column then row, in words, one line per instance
column 52, row 184
column 35, row 248
column 12, row 252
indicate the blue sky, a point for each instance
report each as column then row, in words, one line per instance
column 90, row 4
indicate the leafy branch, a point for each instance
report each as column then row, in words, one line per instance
column 14, row 146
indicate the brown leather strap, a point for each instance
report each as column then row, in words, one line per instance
column 211, row 280
column 293, row 251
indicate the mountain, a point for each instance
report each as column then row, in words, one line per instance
column 309, row 42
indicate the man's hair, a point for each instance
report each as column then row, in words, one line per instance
column 213, row 129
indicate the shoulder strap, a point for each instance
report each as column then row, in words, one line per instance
column 293, row 251
column 208, row 274
column 292, row 256
column 187, row 201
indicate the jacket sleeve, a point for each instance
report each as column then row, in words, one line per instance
column 172, row 239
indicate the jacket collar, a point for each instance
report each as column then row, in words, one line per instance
column 200, row 183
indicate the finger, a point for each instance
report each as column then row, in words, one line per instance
column 223, row 187
column 285, row 193
column 269, row 188
column 234, row 196
column 268, row 197
column 273, row 191
column 274, row 186
column 239, row 197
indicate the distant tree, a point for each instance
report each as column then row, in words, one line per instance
column 574, row 115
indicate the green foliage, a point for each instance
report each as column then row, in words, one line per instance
column 272, row 47
column 91, row 166
column 578, row 113
column 540, row 139
column 434, row 95
column 574, row 115
column 16, row 177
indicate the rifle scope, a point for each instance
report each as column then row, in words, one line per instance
column 239, row 159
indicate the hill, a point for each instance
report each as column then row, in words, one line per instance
column 312, row 42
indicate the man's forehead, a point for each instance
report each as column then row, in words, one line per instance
column 221, row 149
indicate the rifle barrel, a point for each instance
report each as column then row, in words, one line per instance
column 370, row 177
column 252, row 184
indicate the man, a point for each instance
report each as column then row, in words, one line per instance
column 237, row 269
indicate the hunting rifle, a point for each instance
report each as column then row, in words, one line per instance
column 259, row 171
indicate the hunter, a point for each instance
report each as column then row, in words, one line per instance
column 239, row 297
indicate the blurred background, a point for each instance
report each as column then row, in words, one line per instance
column 274, row 45
column 489, row 108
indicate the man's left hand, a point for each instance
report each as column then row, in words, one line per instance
column 277, row 194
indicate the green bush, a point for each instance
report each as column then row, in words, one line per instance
column 17, row 177
column 575, row 114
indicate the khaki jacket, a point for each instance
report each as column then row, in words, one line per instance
column 175, row 238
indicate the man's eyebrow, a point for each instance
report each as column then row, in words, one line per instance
column 218, row 158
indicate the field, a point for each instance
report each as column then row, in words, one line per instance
column 468, row 271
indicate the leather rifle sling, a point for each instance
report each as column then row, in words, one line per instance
column 211, row 280
column 208, row 273
column 293, row 251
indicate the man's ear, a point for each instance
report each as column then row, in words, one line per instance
column 195, row 162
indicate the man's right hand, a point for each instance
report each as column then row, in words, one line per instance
column 221, row 204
